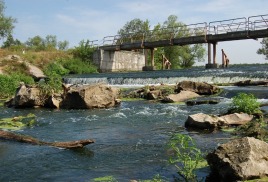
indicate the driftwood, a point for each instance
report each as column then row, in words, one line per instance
column 28, row 139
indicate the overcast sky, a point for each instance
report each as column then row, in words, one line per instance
column 76, row 20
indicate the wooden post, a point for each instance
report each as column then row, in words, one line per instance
column 223, row 58
column 163, row 61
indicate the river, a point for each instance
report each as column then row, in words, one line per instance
column 131, row 140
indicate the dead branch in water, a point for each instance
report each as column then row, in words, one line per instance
column 28, row 139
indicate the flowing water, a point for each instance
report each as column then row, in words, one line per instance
column 130, row 139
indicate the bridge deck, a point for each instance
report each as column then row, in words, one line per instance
column 227, row 30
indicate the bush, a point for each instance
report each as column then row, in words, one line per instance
column 9, row 83
column 84, row 51
column 187, row 157
column 246, row 103
column 77, row 66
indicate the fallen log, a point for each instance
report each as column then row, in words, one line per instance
column 28, row 139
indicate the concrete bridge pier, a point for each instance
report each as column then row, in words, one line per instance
column 151, row 67
column 214, row 64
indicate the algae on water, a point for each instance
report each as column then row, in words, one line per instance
column 17, row 123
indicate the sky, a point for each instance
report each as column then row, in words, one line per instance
column 77, row 20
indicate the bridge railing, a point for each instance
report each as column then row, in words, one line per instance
column 225, row 26
column 199, row 29
column 258, row 22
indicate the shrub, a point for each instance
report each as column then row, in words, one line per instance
column 77, row 66
column 9, row 83
column 246, row 103
column 187, row 157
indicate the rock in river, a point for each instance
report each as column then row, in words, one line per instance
column 239, row 159
column 90, row 96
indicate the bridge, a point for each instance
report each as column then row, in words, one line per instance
column 211, row 33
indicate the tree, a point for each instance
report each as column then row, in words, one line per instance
column 11, row 42
column 264, row 49
column 181, row 56
column 36, row 43
column 63, row 45
column 6, row 22
column 84, row 51
column 50, row 42
column 134, row 30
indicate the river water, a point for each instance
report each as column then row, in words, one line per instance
column 131, row 140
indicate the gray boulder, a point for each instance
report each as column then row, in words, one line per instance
column 28, row 96
column 239, row 159
column 201, row 88
column 90, row 96
column 203, row 121
column 180, row 97
column 211, row 122
column 236, row 118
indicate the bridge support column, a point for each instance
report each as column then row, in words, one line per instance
column 151, row 67
column 214, row 64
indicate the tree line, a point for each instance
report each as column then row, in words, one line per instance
column 179, row 56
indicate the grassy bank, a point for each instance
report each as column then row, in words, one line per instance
column 54, row 64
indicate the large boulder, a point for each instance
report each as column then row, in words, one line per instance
column 180, row 97
column 203, row 121
column 239, row 159
column 236, row 118
column 211, row 122
column 201, row 88
column 27, row 96
column 90, row 96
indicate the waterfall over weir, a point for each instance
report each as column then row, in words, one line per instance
column 229, row 75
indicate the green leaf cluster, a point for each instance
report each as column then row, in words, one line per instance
column 9, row 83
column 246, row 103
column 17, row 123
column 186, row 156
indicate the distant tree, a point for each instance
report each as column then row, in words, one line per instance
column 50, row 42
column 180, row 56
column 63, row 45
column 10, row 41
column 36, row 43
column 84, row 51
column 264, row 49
column 134, row 26
column 6, row 22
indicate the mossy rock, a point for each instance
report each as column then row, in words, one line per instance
column 17, row 123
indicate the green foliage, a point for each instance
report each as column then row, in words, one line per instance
column 6, row 23
column 9, row 83
column 187, row 157
column 49, row 43
column 11, row 42
column 55, row 68
column 77, row 66
column 18, row 123
column 179, row 56
column 257, row 129
column 105, row 179
column 84, row 51
column 264, row 49
column 246, row 103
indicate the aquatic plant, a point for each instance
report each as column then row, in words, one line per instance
column 17, row 123
column 186, row 157
column 246, row 103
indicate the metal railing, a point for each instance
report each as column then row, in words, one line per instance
column 199, row 29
